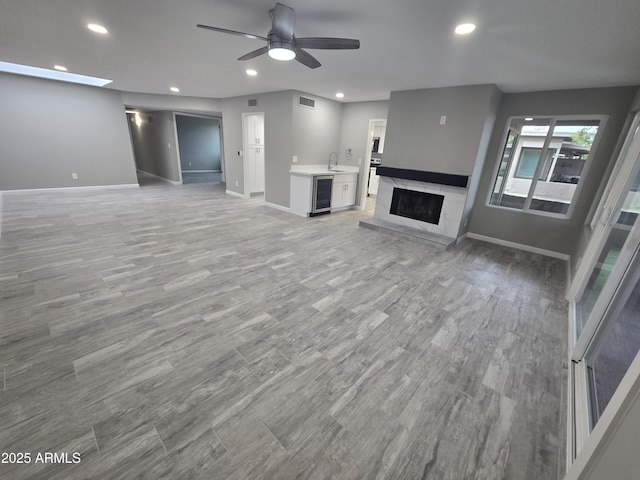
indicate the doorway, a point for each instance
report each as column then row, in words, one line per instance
column 199, row 148
column 254, row 159
column 374, row 156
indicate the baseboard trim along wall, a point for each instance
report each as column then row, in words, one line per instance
column 519, row 246
column 235, row 194
column 68, row 189
column 172, row 182
column 277, row 207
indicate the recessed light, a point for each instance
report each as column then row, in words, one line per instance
column 251, row 72
column 340, row 95
column 175, row 89
column 465, row 28
column 94, row 27
column 528, row 119
column 60, row 68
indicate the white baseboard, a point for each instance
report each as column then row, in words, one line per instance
column 68, row 189
column 172, row 182
column 235, row 194
column 519, row 246
column 342, row 209
column 460, row 239
column 277, row 207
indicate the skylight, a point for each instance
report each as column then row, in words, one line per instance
column 53, row 74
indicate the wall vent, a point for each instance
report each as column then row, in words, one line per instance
column 252, row 102
column 306, row 102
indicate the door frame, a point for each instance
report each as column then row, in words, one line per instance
column 367, row 166
column 579, row 419
column 177, row 143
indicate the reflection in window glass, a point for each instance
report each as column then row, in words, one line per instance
column 617, row 348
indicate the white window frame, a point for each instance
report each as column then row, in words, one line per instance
column 553, row 119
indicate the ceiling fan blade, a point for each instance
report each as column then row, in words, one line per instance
column 283, row 19
column 255, row 53
column 232, row 32
column 306, row 59
column 327, row 43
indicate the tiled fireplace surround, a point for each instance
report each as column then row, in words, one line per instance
column 452, row 187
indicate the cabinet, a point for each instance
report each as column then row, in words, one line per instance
column 374, row 180
column 301, row 189
column 343, row 193
column 253, row 133
column 255, row 167
column 255, row 129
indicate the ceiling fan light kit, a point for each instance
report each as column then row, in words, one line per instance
column 281, row 51
column 283, row 45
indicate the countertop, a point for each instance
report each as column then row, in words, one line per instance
column 315, row 170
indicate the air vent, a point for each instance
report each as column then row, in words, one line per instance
column 252, row 102
column 306, row 102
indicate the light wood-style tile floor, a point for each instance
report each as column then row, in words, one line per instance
column 175, row 332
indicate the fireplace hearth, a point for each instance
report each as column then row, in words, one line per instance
column 422, row 206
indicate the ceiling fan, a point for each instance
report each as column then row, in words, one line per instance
column 282, row 44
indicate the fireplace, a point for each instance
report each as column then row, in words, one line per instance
column 422, row 206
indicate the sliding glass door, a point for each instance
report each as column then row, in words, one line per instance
column 605, row 294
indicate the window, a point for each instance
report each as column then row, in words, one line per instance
column 528, row 162
column 542, row 163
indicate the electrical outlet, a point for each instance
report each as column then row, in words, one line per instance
column 443, row 119
column 168, row 145
column 189, row 163
column 295, row 159
column 359, row 161
column 74, row 176
column 236, row 183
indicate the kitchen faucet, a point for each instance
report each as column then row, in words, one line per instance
column 336, row 155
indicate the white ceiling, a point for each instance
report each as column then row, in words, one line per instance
column 520, row 45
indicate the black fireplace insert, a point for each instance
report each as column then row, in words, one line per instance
column 422, row 206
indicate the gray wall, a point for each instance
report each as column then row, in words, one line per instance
column 154, row 143
column 474, row 180
column 547, row 233
column 278, row 142
column 198, row 142
column 316, row 131
column 416, row 140
column 50, row 129
column 355, row 135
